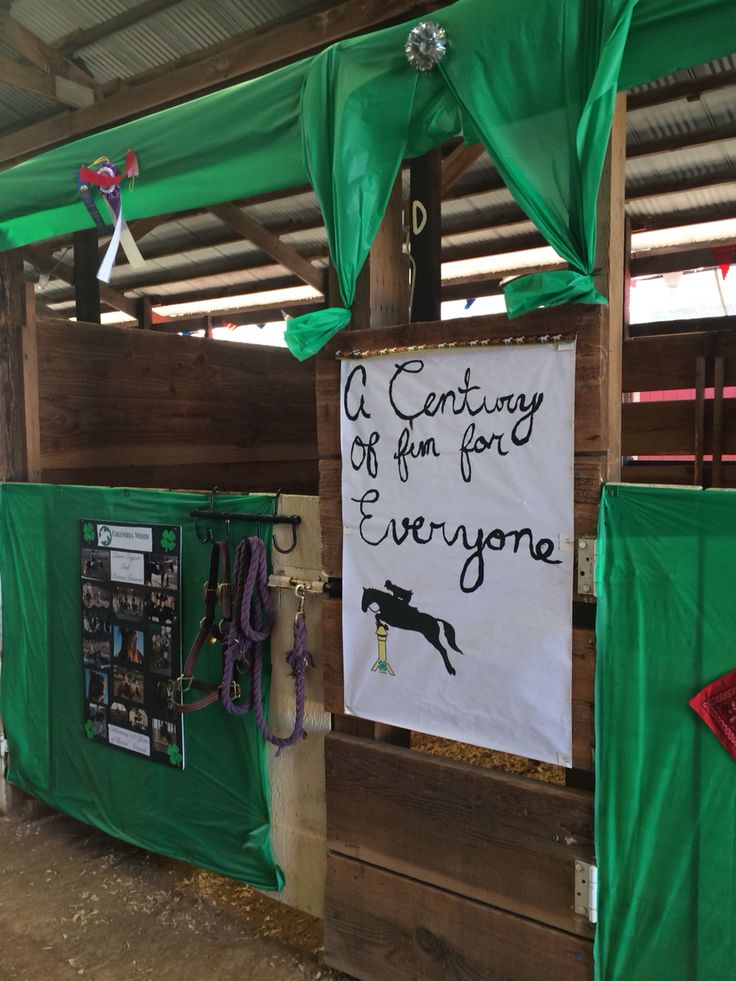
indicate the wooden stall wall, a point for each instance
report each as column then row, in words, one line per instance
column 679, row 415
column 439, row 867
column 106, row 405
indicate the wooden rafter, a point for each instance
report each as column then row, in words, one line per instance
column 682, row 141
column 691, row 88
column 271, row 244
column 65, row 272
column 81, row 37
column 27, row 44
column 63, row 90
column 251, row 54
column 457, row 162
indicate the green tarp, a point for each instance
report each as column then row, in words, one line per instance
column 666, row 788
column 534, row 80
column 215, row 812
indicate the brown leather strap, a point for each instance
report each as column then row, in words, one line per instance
column 217, row 592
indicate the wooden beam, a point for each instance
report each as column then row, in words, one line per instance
column 457, row 162
column 271, row 244
column 691, row 89
column 64, row 90
column 253, row 53
column 81, row 37
column 27, row 44
column 65, row 272
column 682, row 141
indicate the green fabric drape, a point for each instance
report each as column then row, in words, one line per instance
column 535, row 80
column 215, row 812
column 665, row 787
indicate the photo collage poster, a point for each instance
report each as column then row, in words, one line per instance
column 131, row 637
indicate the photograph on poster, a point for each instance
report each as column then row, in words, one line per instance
column 98, row 716
column 127, row 684
column 128, row 644
column 164, row 735
column 162, row 571
column 96, row 653
column 96, row 686
column 457, row 495
column 161, row 607
column 95, row 564
column 161, row 649
column 94, row 596
column 128, row 603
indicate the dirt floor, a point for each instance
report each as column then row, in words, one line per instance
column 76, row 903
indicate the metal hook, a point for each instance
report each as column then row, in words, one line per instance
column 285, row 551
column 301, row 594
column 209, row 537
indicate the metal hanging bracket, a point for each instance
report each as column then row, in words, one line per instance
column 587, row 552
column 586, row 890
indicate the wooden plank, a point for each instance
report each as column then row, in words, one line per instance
column 271, row 244
column 666, row 361
column 499, row 838
column 379, row 926
column 82, row 37
column 666, row 428
column 289, row 476
column 30, row 388
column 666, row 471
column 13, row 462
column 169, row 368
column 686, row 89
column 65, row 272
column 250, row 54
column 583, row 679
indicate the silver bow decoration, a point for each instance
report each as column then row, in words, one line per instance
column 426, row 45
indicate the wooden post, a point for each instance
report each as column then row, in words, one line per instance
column 382, row 290
column 425, row 235
column 610, row 259
column 13, row 462
column 86, row 284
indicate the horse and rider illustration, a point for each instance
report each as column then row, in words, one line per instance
column 393, row 609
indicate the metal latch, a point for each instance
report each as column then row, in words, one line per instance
column 586, row 890
column 587, row 554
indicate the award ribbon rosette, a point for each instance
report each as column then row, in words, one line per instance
column 104, row 175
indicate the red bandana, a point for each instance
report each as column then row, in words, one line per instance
column 716, row 706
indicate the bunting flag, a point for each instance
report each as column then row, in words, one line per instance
column 724, row 255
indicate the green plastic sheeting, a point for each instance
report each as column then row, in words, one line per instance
column 534, row 80
column 215, row 812
column 666, row 788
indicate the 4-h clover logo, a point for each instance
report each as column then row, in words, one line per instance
column 88, row 531
column 89, row 729
column 174, row 754
column 168, row 540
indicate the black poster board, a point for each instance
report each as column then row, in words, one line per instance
column 131, row 639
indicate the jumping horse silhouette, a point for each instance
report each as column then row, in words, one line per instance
column 396, row 612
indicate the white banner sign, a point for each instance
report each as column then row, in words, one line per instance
column 457, row 493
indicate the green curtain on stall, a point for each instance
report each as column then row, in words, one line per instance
column 534, row 80
column 665, row 787
column 215, row 812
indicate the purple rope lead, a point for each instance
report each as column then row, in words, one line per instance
column 251, row 625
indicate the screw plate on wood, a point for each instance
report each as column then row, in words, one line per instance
column 586, row 555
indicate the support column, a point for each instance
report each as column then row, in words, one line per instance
column 86, row 283
column 425, row 236
column 13, row 460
